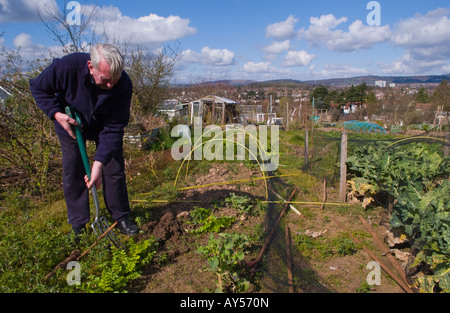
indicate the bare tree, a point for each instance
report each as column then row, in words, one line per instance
column 72, row 35
column 151, row 74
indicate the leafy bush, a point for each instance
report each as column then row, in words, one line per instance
column 124, row 266
column 224, row 255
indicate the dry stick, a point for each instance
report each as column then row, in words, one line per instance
column 75, row 255
column 272, row 231
column 97, row 241
column 324, row 193
column 289, row 260
column 290, row 205
column 383, row 249
column 390, row 273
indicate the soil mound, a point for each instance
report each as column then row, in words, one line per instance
column 167, row 228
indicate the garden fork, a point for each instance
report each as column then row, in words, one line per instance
column 100, row 224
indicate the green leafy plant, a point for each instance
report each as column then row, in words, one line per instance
column 243, row 204
column 124, row 266
column 224, row 255
column 430, row 216
column 416, row 175
column 208, row 222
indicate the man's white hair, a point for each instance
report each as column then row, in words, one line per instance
column 111, row 55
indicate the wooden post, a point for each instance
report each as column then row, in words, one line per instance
column 324, row 193
column 306, row 148
column 343, row 168
column 287, row 116
column 213, row 112
column 224, row 106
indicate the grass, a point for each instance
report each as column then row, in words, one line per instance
column 35, row 238
column 33, row 232
column 324, row 248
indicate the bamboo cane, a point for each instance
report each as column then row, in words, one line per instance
column 388, row 271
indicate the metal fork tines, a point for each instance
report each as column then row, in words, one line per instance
column 101, row 226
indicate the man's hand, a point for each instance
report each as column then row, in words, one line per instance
column 66, row 122
column 96, row 176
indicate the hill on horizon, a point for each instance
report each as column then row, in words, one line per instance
column 336, row 82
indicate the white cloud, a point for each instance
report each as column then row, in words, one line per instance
column 425, row 39
column 217, row 57
column 262, row 70
column 252, row 67
column 278, row 47
column 408, row 64
column 22, row 41
column 24, row 10
column 338, row 70
column 359, row 36
column 149, row 29
column 298, row 58
column 30, row 51
column 208, row 56
column 423, row 31
column 282, row 30
column 320, row 29
column 446, row 69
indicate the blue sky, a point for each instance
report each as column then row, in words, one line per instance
column 258, row 39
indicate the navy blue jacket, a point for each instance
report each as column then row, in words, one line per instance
column 104, row 113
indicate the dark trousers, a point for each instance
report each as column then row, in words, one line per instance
column 76, row 193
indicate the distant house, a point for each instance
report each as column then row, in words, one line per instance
column 173, row 108
column 379, row 95
column 263, row 117
column 213, row 110
column 424, row 106
column 380, row 83
column 352, row 107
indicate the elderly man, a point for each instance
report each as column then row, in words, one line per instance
column 95, row 85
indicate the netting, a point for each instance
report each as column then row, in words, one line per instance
column 283, row 255
column 324, row 162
